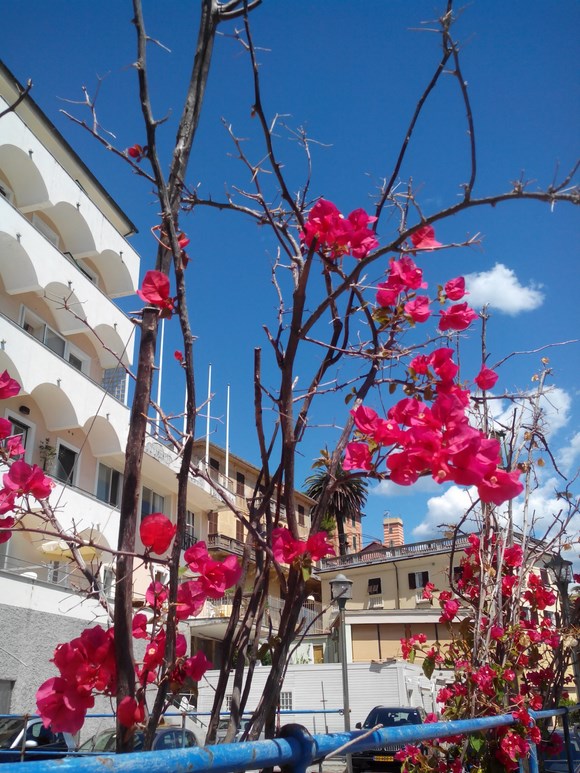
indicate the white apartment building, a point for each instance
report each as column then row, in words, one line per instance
column 64, row 259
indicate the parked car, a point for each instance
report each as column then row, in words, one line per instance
column 18, row 733
column 223, row 728
column 166, row 737
column 383, row 758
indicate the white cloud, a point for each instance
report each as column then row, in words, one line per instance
column 555, row 405
column 500, row 289
column 386, row 488
column 445, row 509
column 568, row 455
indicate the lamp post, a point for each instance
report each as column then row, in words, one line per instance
column 341, row 591
column 563, row 575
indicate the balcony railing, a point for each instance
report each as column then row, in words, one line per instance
column 384, row 554
column 310, row 616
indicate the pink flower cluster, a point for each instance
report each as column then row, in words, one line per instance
column 155, row 291
column 87, row 666
column 286, row 549
column 438, row 440
column 336, row 235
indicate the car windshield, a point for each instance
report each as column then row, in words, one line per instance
column 10, row 727
column 392, row 717
column 106, row 742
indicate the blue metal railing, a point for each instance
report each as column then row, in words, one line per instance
column 296, row 751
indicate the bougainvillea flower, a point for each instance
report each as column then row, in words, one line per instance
column 499, row 486
column 405, row 274
column 9, row 387
column 139, row 626
column 513, row 556
column 129, row 712
column 424, row 238
column 357, row 457
column 178, row 355
column 14, row 446
column 137, row 152
column 318, row 546
column 284, row 547
column 61, row 706
column 196, row 666
column 362, row 240
column 386, row 295
column 6, row 523
column 418, row 309
column 155, row 290
column 183, row 240
column 328, row 228
column 190, row 599
column 486, row 378
column 366, row 419
column 218, row 576
column 156, row 594
column 157, row 532
column 21, row 478
column 5, row 428
column 455, row 288
column 458, row 317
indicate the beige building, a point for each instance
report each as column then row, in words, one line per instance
column 387, row 602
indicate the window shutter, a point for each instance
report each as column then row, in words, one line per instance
column 412, row 580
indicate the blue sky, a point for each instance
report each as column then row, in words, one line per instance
column 350, row 74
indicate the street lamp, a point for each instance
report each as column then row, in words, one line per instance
column 563, row 575
column 341, row 591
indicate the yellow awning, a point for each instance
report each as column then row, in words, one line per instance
column 58, row 548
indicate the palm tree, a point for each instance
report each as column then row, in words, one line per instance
column 347, row 499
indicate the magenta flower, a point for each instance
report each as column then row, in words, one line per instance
column 157, row 532
column 418, row 309
column 129, row 712
column 22, row 479
column 155, row 290
column 498, row 486
column 357, row 457
column 424, row 238
column 486, row 378
column 366, row 419
column 458, row 317
column 9, row 387
column 455, row 289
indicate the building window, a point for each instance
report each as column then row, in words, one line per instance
column 212, row 522
column 354, row 542
column 285, row 701
column 66, row 463
column 37, row 328
column 6, row 687
column 301, row 515
column 240, row 484
column 151, row 502
column 418, row 579
column 114, row 382
column 109, row 485
column 240, row 531
column 22, row 430
column 214, row 468
column 374, row 586
column 229, row 702
column 189, row 537
column 544, row 576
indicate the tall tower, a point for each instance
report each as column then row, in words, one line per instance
column 393, row 534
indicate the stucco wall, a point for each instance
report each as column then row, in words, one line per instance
column 27, row 642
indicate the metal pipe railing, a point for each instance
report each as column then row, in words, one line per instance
column 296, row 749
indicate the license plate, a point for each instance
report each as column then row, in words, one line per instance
column 384, row 758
